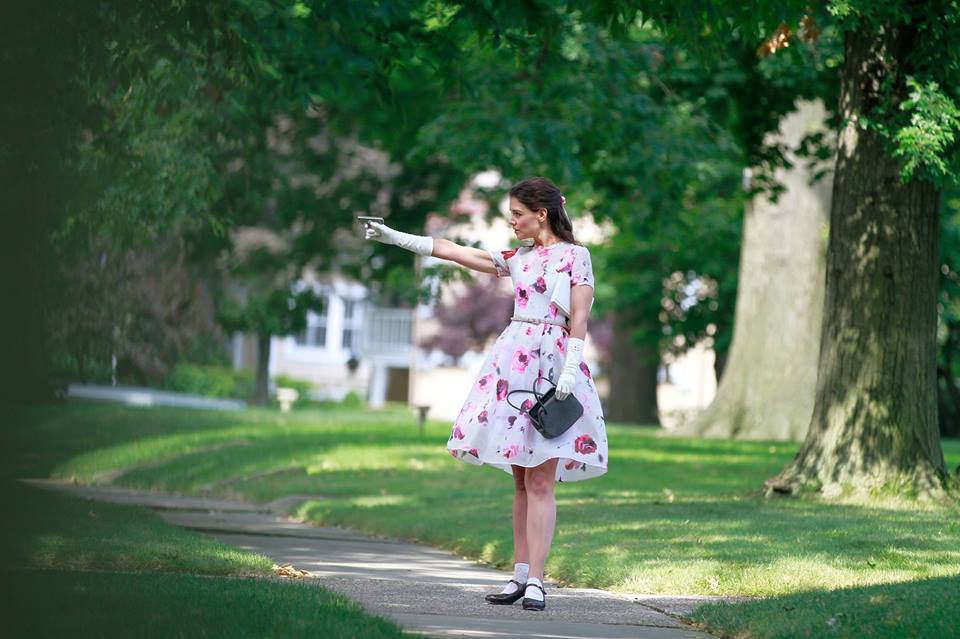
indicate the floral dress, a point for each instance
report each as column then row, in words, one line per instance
column 489, row 430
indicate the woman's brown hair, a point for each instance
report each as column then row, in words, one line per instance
column 540, row 193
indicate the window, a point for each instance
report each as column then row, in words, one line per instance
column 316, row 332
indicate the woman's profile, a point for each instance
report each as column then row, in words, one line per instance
column 542, row 345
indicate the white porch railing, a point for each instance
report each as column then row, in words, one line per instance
column 386, row 332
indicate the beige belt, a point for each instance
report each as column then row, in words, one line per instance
column 534, row 320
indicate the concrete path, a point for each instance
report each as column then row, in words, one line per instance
column 419, row 587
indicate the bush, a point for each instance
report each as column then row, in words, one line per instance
column 211, row 381
column 352, row 400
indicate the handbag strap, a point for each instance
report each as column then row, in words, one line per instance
column 533, row 392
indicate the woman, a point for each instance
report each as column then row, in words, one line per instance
column 553, row 294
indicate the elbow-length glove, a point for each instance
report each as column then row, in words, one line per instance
column 570, row 367
column 419, row 244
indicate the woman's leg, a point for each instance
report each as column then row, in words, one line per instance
column 541, row 513
column 519, row 516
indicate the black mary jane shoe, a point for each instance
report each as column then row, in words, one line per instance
column 502, row 599
column 534, row 604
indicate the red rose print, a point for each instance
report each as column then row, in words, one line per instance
column 526, row 405
column 560, row 344
column 482, row 417
column 566, row 268
column 484, row 382
column 540, row 286
column 474, row 452
column 457, row 432
column 508, row 254
column 586, row 371
column 502, row 386
column 523, row 296
column 585, row 445
column 521, row 359
column 553, row 310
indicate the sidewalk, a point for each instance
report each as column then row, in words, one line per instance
column 419, row 587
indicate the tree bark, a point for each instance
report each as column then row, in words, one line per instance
column 766, row 391
column 874, row 423
column 633, row 380
column 262, row 394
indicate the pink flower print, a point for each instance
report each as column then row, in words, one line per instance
column 453, row 453
column 586, row 371
column 502, row 386
column 523, row 296
column 511, row 451
column 521, row 358
column 529, row 330
column 540, row 286
column 560, row 344
column 484, row 382
column 526, row 405
column 543, row 251
column 482, row 417
column 511, row 419
column 585, row 445
column 554, row 311
column 526, row 268
column 570, row 465
column 566, row 267
column 474, row 452
column 457, row 432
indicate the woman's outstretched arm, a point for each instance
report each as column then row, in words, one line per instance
column 472, row 258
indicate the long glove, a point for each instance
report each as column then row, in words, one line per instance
column 419, row 244
column 571, row 367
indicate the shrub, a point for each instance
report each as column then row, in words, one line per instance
column 211, row 381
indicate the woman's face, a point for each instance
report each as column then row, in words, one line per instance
column 526, row 223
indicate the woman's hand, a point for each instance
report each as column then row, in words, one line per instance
column 419, row 244
column 570, row 367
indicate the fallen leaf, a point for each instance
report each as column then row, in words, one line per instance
column 287, row 570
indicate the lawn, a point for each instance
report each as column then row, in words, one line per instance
column 673, row 516
column 77, row 567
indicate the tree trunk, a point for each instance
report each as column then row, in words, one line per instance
column 262, row 394
column 633, row 380
column 766, row 391
column 874, row 422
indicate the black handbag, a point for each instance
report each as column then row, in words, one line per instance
column 549, row 415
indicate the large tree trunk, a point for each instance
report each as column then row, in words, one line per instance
column 262, row 394
column 874, row 421
column 633, row 380
column 766, row 391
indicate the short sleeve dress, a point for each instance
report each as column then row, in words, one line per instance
column 488, row 429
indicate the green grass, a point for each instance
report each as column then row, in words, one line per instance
column 71, row 604
column 923, row 608
column 673, row 516
column 50, row 530
column 79, row 567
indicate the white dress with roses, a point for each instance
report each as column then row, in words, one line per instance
column 489, row 430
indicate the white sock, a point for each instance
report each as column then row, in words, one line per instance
column 534, row 593
column 520, row 572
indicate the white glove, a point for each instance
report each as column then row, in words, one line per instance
column 570, row 368
column 419, row 244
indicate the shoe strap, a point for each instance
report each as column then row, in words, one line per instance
column 519, row 585
column 537, row 586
